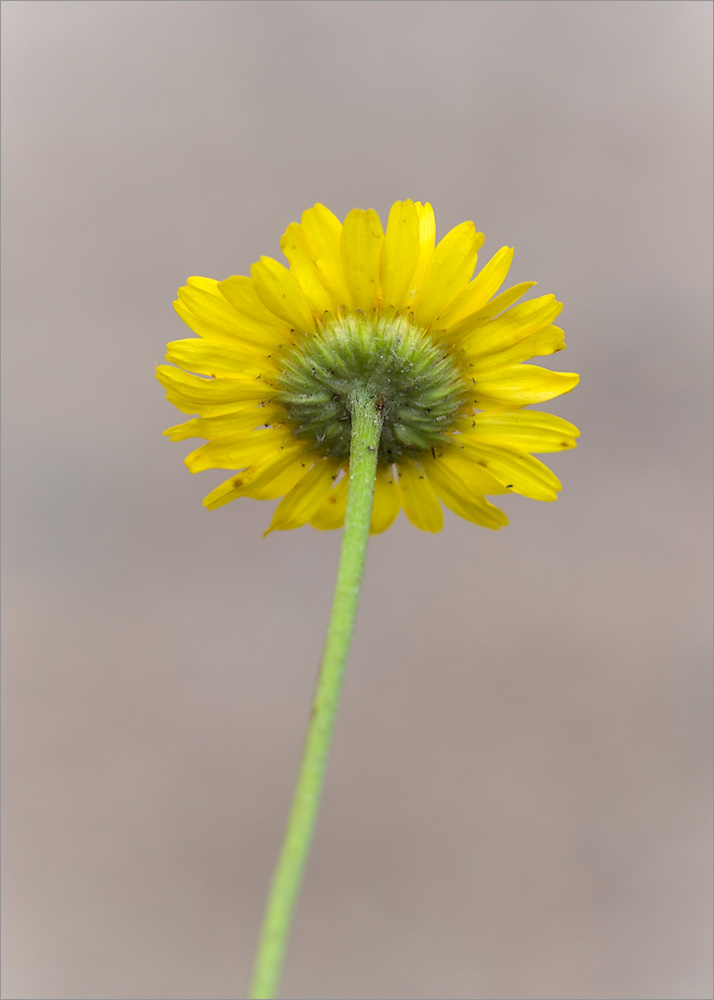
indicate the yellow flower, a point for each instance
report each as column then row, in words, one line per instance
column 278, row 355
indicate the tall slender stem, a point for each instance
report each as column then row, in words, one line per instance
column 287, row 877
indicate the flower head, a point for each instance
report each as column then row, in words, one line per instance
column 280, row 354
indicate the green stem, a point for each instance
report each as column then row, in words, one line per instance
column 364, row 446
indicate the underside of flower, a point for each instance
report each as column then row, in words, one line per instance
column 417, row 385
column 389, row 314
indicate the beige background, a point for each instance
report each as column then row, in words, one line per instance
column 518, row 803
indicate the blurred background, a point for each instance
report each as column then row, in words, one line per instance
column 518, row 802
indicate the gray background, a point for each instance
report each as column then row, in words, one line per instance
column 518, row 803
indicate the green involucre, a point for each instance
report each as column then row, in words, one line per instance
column 418, row 385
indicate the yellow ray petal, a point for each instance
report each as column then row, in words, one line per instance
column 236, row 451
column 204, row 307
column 527, row 430
column 240, row 291
column 427, row 240
column 215, row 411
column 203, row 296
column 322, row 230
column 418, row 500
column 400, row 254
column 521, row 385
column 474, row 476
column 193, row 394
column 304, row 267
column 361, row 247
column 547, row 341
column 244, row 332
column 331, row 513
column 512, row 326
column 207, row 284
column 280, row 482
column 299, row 505
column 448, row 271
column 502, row 302
column 273, row 477
column 445, row 473
column 211, row 357
column 246, row 418
column 477, row 294
column 204, row 310
column 385, row 506
column 520, row 472
column 279, row 291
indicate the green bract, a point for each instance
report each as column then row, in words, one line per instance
column 419, row 387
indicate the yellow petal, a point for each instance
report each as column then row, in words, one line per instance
column 361, row 247
column 304, row 267
column 482, row 288
column 521, row 385
column 202, row 305
column 446, row 476
column 246, row 418
column 236, row 451
column 448, row 271
column 512, row 326
column 240, row 291
column 207, row 284
column 502, row 302
column 417, row 497
column 474, row 476
column 323, row 230
column 427, row 239
column 283, row 476
column 547, row 341
column 229, row 490
column 273, row 477
column 202, row 308
column 400, row 254
column 299, row 505
column 211, row 357
column 279, row 291
column 518, row 471
column 385, row 506
column 528, row 430
column 331, row 513
column 193, row 394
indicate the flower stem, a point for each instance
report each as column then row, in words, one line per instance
column 366, row 419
